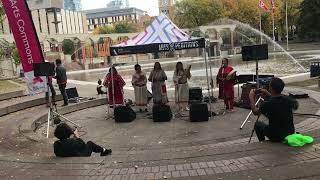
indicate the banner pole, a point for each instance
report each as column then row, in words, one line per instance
column 50, row 104
column 208, row 86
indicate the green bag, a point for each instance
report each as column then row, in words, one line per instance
column 298, row 140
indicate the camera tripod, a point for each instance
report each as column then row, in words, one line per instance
column 245, row 121
column 253, row 129
column 53, row 112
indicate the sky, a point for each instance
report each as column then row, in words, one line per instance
column 151, row 6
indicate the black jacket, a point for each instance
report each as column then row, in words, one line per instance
column 72, row 147
column 279, row 112
column 61, row 74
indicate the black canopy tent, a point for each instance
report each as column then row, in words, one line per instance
column 157, row 47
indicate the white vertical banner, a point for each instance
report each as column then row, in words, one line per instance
column 26, row 39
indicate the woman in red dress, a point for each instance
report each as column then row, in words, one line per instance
column 225, row 81
column 118, row 83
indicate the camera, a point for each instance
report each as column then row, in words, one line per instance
column 258, row 91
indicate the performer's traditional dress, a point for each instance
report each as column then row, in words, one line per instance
column 139, row 82
column 226, row 80
column 118, row 83
column 159, row 90
column 180, row 80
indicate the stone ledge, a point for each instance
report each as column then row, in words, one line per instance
column 10, row 95
column 24, row 105
column 28, row 128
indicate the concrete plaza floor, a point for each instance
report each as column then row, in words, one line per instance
column 179, row 149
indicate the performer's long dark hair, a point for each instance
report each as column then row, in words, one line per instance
column 137, row 66
column 227, row 60
column 155, row 64
column 177, row 66
column 113, row 69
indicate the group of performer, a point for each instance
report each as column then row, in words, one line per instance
column 158, row 77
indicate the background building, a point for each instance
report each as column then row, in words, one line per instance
column 106, row 16
column 118, row 4
column 73, row 5
column 166, row 7
column 43, row 4
column 53, row 21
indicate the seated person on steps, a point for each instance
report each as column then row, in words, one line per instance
column 278, row 109
column 99, row 88
column 68, row 146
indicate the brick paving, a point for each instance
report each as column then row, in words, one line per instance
column 182, row 159
column 153, row 172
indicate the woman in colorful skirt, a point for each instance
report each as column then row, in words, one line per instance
column 180, row 79
column 226, row 80
column 139, row 82
column 159, row 90
column 113, row 79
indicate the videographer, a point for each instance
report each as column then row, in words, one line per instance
column 74, row 146
column 277, row 108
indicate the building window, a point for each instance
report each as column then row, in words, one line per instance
column 71, row 22
column 66, row 19
column 62, row 24
column 80, row 22
column 48, row 23
column 74, row 21
column 2, row 27
column 2, row 30
column 39, row 21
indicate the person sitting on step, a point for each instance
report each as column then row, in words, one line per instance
column 99, row 88
column 277, row 108
column 68, row 146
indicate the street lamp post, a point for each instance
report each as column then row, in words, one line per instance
column 287, row 26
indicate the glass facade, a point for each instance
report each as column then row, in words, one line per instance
column 118, row 4
column 74, row 5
